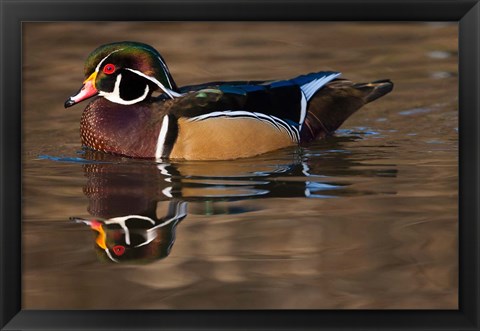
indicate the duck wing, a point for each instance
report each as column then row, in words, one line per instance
column 282, row 103
column 198, row 87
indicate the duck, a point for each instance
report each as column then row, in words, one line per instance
column 138, row 111
column 136, row 238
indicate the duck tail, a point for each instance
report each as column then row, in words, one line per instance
column 335, row 103
column 375, row 90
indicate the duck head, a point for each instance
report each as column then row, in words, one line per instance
column 125, row 73
column 136, row 238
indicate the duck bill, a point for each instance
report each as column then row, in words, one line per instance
column 80, row 220
column 95, row 225
column 88, row 90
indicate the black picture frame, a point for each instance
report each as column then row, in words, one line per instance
column 14, row 12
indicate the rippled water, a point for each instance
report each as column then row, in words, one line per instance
column 365, row 219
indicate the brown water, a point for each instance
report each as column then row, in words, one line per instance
column 366, row 219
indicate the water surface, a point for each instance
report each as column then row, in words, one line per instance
column 366, row 219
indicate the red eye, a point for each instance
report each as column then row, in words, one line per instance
column 119, row 250
column 109, row 69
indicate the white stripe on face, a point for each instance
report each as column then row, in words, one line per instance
column 169, row 92
column 103, row 60
column 166, row 90
column 166, row 70
column 114, row 96
column 121, row 221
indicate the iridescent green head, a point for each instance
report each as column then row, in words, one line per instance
column 126, row 73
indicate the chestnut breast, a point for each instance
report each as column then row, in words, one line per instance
column 130, row 130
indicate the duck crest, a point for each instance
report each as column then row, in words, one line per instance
column 134, row 55
column 211, row 121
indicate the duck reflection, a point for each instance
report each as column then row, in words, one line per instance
column 136, row 238
column 125, row 196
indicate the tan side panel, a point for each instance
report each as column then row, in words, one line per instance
column 227, row 138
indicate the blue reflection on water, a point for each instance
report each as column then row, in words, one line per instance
column 67, row 159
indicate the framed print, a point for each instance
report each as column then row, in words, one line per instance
column 239, row 165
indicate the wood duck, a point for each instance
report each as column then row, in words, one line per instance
column 140, row 112
column 136, row 238
column 125, row 205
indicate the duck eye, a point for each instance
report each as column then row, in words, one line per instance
column 119, row 250
column 109, row 69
